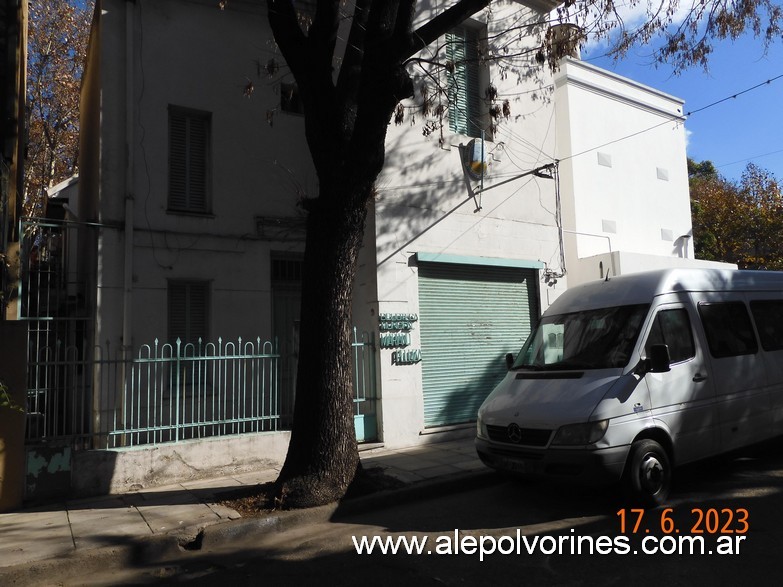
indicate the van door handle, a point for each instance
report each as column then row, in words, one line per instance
column 699, row 378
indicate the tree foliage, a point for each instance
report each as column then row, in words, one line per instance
column 737, row 222
column 687, row 29
column 57, row 43
column 6, row 401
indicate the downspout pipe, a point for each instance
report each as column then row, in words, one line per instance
column 127, row 279
column 127, row 300
column 608, row 242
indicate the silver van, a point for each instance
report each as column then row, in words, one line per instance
column 627, row 377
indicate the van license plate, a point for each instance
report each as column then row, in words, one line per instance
column 516, row 466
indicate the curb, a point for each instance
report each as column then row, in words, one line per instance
column 453, row 483
column 243, row 528
column 158, row 549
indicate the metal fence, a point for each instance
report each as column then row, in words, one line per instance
column 363, row 347
column 168, row 392
column 59, row 400
column 50, row 299
column 182, row 391
column 103, row 397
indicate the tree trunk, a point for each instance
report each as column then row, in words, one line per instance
column 345, row 126
column 323, row 456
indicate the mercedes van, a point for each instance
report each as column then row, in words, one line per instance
column 624, row 378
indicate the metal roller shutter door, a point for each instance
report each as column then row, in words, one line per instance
column 470, row 317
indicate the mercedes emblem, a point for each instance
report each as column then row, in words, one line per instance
column 514, row 433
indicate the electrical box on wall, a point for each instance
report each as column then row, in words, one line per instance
column 476, row 159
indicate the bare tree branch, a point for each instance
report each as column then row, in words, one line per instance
column 287, row 32
column 441, row 24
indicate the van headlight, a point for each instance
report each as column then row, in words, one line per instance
column 574, row 434
column 481, row 428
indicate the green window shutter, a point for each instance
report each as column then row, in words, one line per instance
column 470, row 316
column 198, row 144
column 177, row 162
column 188, row 160
column 464, row 84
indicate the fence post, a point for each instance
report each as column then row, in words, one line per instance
column 176, row 392
column 121, row 372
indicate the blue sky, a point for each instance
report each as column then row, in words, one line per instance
column 746, row 129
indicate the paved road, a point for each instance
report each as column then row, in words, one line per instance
column 736, row 503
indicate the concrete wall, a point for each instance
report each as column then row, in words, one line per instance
column 99, row 472
column 622, row 263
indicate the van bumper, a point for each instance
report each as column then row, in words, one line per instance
column 589, row 466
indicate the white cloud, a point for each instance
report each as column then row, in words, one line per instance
column 634, row 14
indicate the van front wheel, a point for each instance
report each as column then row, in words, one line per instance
column 648, row 474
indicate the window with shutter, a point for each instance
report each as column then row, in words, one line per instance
column 189, row 142
column 188, row 311
column 465, row 112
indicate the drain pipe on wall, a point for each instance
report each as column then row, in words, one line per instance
column 608, row 242
column 127, row 297
column 127, row 285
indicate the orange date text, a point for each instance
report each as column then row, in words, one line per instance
column 698, row 521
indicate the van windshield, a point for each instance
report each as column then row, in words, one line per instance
column 593, row 339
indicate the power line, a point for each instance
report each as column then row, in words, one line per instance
column 591, row 149
column 751, row 158
column 727, row 98
column 677, row 118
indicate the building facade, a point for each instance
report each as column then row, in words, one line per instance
column 201, row 235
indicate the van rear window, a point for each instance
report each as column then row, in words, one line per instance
column 768, row 315
column 728, row 329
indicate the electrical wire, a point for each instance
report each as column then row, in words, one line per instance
column 677, row 119
column 750, row 158
column 727, row 98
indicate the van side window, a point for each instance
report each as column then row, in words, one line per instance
column 728, row 329
column 673, row 328
column 768, row 315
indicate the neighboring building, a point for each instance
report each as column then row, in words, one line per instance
column 624, row 176
column 192, row 164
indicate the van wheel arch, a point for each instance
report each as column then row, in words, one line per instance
column 647, row 477
column 659, row 436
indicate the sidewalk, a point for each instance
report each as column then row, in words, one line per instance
column 66, row 530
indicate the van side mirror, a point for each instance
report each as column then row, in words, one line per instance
column 659, row 360
column 509, row 361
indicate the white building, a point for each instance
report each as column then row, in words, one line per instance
column 624, row 177
column 193, row 160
